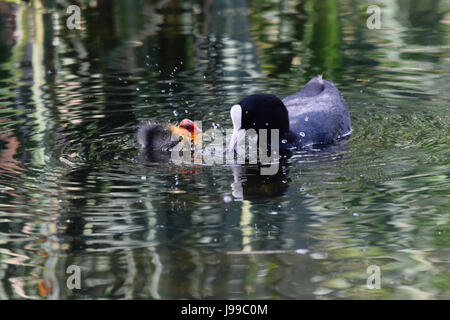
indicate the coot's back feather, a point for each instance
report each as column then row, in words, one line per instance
column 318, row 114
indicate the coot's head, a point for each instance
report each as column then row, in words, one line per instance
column 259, row 111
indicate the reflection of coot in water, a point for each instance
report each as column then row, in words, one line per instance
column 249, row 184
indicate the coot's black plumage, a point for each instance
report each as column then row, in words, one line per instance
column 155, row 137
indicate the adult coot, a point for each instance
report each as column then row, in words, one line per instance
column 316, row 115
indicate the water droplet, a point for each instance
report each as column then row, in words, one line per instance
column 355, row 214
column 227, row 199
column 273, row 212
column 284, row 141
column 301, row 133
column 306, row 118
column 163, row 91
column 143, row 178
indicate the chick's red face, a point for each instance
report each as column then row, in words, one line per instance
column 187, row 129
column 190, row 126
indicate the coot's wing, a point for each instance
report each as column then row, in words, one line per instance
column 314, row 87
column 318, row 114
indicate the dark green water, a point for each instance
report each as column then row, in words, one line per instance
column 73, row 191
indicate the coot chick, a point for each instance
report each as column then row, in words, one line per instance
column 157, row 138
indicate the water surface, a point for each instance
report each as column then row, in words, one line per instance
column 74, row 192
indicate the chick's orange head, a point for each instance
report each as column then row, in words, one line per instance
column 187, row 128
column 190, row 126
